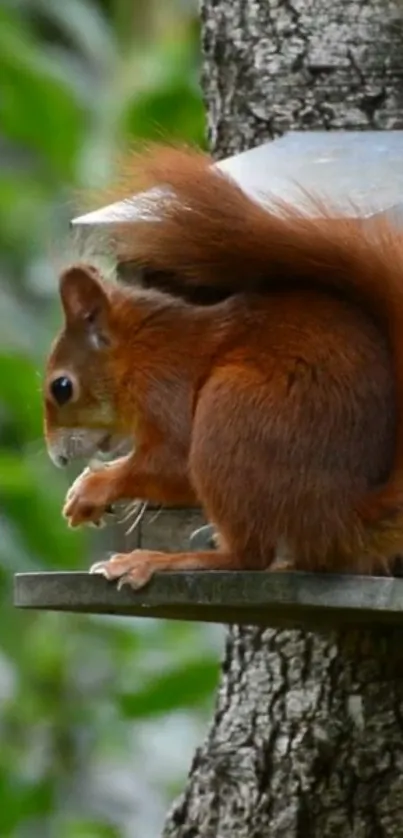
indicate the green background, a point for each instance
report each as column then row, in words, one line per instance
column 98, row 717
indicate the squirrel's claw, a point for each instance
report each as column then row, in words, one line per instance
column 134, row 569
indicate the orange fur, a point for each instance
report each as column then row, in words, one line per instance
column 278, row 408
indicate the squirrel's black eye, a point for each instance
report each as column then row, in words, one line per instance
column 62, row 389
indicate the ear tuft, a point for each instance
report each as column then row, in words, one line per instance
column 83, row 295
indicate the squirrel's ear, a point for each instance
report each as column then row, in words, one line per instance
column 83, row 296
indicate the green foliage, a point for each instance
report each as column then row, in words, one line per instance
column 183, row 686
column 90, row 708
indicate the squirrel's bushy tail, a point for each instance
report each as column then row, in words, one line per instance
column 208, row 232
column 211, row 234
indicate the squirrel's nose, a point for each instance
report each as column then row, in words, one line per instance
column 61, row 461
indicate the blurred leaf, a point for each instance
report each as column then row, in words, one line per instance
column 35, row 105
column 165, row 114
column 190, row 684
column 85, row 26
column 20, row 391
column 88, row 829
column 15, row 477
column 31, row 799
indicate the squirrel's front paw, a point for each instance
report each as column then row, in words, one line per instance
column 89, row 499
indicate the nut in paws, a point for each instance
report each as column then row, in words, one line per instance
column 88, row 500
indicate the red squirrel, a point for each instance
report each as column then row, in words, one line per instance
column 277, row 407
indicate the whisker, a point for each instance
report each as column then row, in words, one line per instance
column 157, row 514
column 129, row 510
column 137, row 520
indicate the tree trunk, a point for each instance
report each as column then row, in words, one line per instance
column 307, row 737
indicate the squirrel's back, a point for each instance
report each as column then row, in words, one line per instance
column 324, row 363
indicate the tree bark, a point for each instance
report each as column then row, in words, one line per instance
column 274, row 65
column 307, row 736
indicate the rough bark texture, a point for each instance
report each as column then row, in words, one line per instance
column 272, row 65
column 307, row 741
column 307, row 738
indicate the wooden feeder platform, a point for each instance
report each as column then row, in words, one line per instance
column 286, row 600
